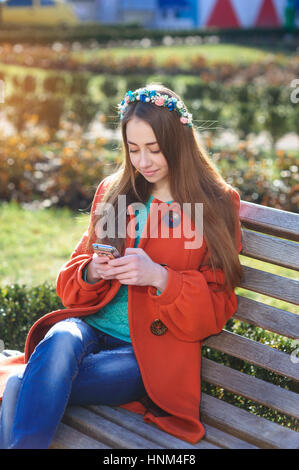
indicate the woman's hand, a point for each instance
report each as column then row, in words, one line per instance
column 97, row 267
column 136, row 268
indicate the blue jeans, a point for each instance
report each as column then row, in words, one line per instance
column 75, row 364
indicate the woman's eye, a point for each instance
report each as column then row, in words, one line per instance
column 134, row 151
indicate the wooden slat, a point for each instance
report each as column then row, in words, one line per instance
column 254, row 352
column 244, row 425
column 10, row 352
column 265, row 316
column 279, row 287
column 269, row 220
column 250, row 387
column 225, row 440
column 270, row 249
column 67, row 437
column 213, row 435
column 105, row 431
column 135, row 423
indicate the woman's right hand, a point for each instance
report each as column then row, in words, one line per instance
column 97, row 267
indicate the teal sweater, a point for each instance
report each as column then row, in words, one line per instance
column 113, row 317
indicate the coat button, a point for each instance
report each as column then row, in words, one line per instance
column 158, row 328
column 172, row 219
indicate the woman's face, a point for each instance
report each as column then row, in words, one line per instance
column 145, row 154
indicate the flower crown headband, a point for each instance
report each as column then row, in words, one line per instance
column 151, row 96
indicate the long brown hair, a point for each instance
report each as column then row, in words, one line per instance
column 192, row 178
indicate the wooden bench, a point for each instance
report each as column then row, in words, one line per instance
column 269, row 235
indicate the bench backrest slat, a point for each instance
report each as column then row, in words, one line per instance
column 270, row 284
column 250, row 387
column 268, row 220
column 259, row 431
column 254, row 352
column 267, row 317
column 270, row 249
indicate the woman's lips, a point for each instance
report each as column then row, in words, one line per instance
column 149, row 173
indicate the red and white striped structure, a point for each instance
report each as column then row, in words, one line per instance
column 241, row 13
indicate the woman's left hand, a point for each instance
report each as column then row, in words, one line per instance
column 135, row 267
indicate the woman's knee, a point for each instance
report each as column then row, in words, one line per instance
column 13, row 383
column 66, row 339
column 65, row 335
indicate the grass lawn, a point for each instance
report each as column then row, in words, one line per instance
column 35, row 244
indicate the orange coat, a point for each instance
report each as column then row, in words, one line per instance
column 170, row 363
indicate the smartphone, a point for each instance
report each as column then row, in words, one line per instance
column 105, row 250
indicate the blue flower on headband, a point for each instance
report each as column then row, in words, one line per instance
column 143, row 98
column 171, row 103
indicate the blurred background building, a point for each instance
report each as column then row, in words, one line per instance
column 181, row 14
column 157, row 14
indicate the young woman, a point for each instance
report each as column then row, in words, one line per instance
column 132, row 329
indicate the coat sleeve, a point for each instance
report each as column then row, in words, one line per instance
column 190, row 305
column 70, row 285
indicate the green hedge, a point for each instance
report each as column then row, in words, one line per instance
column 87, row 31
column 21, row 306
column 246, row 108
column 117, row 32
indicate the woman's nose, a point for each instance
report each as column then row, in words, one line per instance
column 145, row 161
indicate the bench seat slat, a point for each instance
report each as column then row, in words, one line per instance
column 67, row 437
column 244, row 425
column 269, row 220
column 265, row 316
column 258, row 390
column 105, row 431
column 270, row 249
column 225, row 440
column 136, row 423
column 279, row 287
column 254, row 352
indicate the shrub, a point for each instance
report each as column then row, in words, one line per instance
column 62, row 168
column 20, row 307
column 109, row 87
column 29, row 84
column 54, row 84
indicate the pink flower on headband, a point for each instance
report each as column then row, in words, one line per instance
column 127, row 99
column 184, row 120
column 160, row 101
